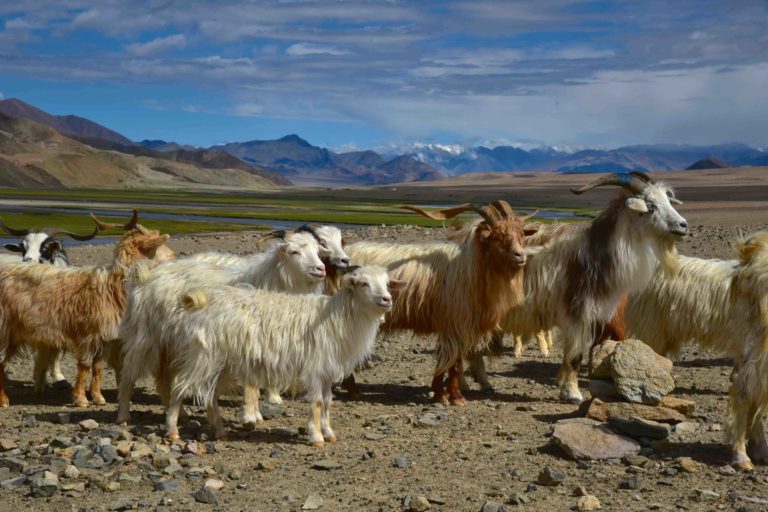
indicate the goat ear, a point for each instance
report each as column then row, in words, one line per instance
column 530, row 231
column 637, row 204
column 14, row 247
column 155, row 242
column 397, row 284
column 57, row 245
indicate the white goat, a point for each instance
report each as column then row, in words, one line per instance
column 575, row 281
column 291, row 266
column 721, row 305
column 272, row 339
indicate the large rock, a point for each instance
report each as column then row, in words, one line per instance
column 601, row 411
column 589, row 439
column 640, row 374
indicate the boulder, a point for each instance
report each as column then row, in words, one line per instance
column 603, row 388
column 592, row 440
column 639, row 374
column 600, row 410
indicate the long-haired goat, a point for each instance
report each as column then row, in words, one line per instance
column 76, row 309
column 291, row 266
column 458, row 290
column 272, row 339
column 42, row 246
column 721, row 305
column 575, row 280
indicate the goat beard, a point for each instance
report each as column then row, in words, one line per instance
column 669, row 261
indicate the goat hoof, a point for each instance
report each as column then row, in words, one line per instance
column 744, row 465
column 4, row 404
column 222, row 437
column 460, row 402
column 80, row 402
column 99, row 400
column 487, row 390
column 173, row 436
column 317, row 443
column 331, row 439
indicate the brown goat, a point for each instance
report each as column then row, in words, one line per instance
column 458, row 290
column 77, row 309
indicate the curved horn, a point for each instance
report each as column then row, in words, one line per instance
column 280, row 234
column 15, row 232
column 487, row 212
column 75, row 236
column 309, row 228
column 503, row 208
column 641, row 175
column 132, row 224
column 626, row 181
column 529, row 216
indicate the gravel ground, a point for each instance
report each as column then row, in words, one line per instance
column 394, row 445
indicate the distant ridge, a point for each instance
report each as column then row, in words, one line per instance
column 711, row 162
column 67, row 125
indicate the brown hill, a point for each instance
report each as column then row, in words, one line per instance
column 711, row 162
column 33, row 155
column 68, row 125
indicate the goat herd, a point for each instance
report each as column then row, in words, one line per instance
column 297, row 317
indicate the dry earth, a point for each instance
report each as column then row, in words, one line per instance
column 393, row 443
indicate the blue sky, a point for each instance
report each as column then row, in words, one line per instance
column 388, row 73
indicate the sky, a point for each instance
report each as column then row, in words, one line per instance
column 370, row 74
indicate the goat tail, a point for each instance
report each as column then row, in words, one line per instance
column 195, row 299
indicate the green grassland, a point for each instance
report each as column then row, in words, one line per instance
column 322, row 207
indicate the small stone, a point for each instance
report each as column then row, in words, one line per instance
column 13, row 483
column 419, row 504
column 629, row 483
column 430, row 419
column 580, row 491
column 519, row 499
column 14, row 464
column 670, row 471
column 191, row 447
column 267, row 465
column 235, row 474
column 206, row 495
column 269, row 410
column 600, row 410
column 727, row 471
column 493, row 506
column 588, row 502
column 313, row 502
column 71, row 472
column 214, row 484
column 684, row 407
column 326, row 465
column 87, row 425
column 166, row 486
column 374, row 436
column 602, row 388
column 126, row 478
column 551, row 477
column 686, row 428
column 7, row 445
column 688, row 465
column 639, row 427
column 123, row 448
column 532, row 487
column 635, row 460
column 63, row 418
column 706, row 495
column 45, row 485
column 108, row 453
column 121, row 504
column 401, row 462
column 30, row 420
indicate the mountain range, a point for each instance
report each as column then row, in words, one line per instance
column 35, row 152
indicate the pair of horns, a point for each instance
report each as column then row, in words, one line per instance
column 132, row 224
column 53, row 233
column 634, row 182
column 492, row 213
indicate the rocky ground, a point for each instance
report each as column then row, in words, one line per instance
column 396, row 450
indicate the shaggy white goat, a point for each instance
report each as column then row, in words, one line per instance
column 263, row 338
column 291, row 266
column 721, row 305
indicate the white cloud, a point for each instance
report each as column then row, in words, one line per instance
column 302, row 49
column 159, row 45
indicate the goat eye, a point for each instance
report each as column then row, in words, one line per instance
column 364, row 285
column 293, row 253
